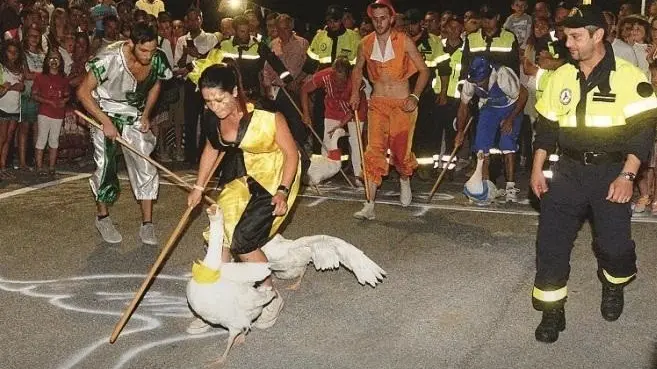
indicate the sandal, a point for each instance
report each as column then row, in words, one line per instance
column 41, row 172
column 52, row 172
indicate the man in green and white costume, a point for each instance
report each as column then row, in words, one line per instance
column 120, row 90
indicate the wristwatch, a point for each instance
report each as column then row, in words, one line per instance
column 628, row 175
column 283, row 189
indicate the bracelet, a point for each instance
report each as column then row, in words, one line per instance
column 198, row 187
column 415, row 96
column 283, row 189
column 628, row 175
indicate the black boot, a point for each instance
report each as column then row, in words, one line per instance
column 611, row 306
column 553, row 322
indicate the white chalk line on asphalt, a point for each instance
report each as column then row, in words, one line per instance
column 39, row 186
column 421, row 208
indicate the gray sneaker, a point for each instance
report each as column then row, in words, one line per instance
column 147, row 234
column 107, row 230
column 406, row 196
column 270, row 313
column 367, row 213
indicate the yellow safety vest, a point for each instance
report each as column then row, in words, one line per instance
column 454, row 78
column 432, row 51
column 321, row 47
column 630, row 95
column 248, row 52
column 501, row 44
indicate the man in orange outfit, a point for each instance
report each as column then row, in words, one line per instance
column 391, row 58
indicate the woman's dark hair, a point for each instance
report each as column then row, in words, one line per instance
column 224, row 77
column 3, row 54
column 143, row 32
column 46, row 64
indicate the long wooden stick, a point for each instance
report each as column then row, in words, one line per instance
column 442, row 174
column 159, row 166
column 312, row 130
column 158, row 263
column 362, row 156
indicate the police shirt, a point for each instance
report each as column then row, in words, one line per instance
column 611, row 111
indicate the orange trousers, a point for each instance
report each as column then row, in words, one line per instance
column 389, row 127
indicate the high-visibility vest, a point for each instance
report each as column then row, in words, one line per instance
column 323, row 51
column 455, row 60
column 630, row 94
column 501, row 44
column 248, row 61
column 431, row 49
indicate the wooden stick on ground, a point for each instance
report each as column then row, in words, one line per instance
column 312, row 130
column 442, row 174
column 362, row 157
column 159, row 166
column 158, row 263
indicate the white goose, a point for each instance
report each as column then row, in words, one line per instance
column 224, row 293
column 478, row 190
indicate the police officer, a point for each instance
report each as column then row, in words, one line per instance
column 492, row 42
column 250, row 56
column 599, row 113
column 329, row 43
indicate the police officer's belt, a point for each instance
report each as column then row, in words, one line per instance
column 594, row 157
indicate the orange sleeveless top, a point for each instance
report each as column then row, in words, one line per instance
column 400, row 68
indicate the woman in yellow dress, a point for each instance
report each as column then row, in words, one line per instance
column 260, row 172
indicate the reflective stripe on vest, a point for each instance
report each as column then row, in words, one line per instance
column 501, row 44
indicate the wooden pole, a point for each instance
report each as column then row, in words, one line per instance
column 159, row 166
column 158, row 263
column 362, row 156
column 442, row 174
column 319, row 139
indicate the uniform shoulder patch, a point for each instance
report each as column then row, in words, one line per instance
column 644, row 89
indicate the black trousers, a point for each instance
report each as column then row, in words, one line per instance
column 193, row 107
column 297, row 127
column 426, row 139
column 318, row 118
column 444, row 117
column 575, row 193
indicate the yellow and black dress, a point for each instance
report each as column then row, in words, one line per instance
column 251, row 172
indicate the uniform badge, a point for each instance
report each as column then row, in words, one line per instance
column 644, row 89
column 565, row 96
column 323, row 47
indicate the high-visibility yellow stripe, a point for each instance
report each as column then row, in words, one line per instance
column 312, row 55
column 500, row 49
column 539, row 74
column 284, row 74
column 430, row 63
column 352, row 61
column 550, row 296
column 599, row 121
column 442, row 58
column 616, row 280
column 477, row 49
column 640, row 106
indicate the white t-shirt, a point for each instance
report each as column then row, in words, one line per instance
column 521, row 27
column 624, row 51
column 505, row 78
column 10, row 101
column 204, row 42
